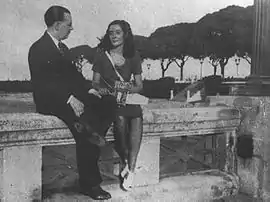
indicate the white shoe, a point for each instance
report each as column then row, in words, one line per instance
column 128, row 181
column 125, row 170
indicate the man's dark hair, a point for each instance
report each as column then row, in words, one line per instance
column 54, row 14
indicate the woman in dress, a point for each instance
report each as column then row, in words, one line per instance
column 116, row 63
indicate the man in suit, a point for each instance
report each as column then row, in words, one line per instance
column 61, row 90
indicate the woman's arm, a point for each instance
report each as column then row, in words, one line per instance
column 138, row 85
column 96, row 80
column 96, row 84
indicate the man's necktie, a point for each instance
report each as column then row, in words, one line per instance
column 62, row 48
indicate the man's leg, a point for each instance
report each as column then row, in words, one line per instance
column 100, row 112
column 94, row 122
column 87, row 156
column 108, row 108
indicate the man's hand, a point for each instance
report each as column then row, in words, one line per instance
column 94, row 92
column 77, row 106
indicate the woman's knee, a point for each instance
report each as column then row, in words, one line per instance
column 136, row 124
column 120, row 122
column 120, row 130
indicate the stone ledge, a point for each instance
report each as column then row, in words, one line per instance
column 55, row 132
column 29, row 121
column 33, row 128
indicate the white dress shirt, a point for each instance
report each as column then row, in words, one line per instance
column 56, row 41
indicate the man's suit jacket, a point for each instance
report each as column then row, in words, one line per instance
column 54, row 77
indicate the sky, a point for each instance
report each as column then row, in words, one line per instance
column 22, row 23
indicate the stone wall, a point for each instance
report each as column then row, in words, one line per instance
column 255, row 122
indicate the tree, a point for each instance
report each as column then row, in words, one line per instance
column 174, row 43
column 183, row 58
column 221, row 35
column 214, row 61
column 143, row 45
column 244, row 32
column 155, row 50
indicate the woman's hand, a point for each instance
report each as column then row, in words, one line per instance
column 104, row 91
column 138, row 84
column 122, row 86
column 96, row 85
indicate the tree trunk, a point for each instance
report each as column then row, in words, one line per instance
column 223, row 62
column 222, row 70
column 163, row 72
column 162, row 68
column 215, row 70
column 183, row 60
column 181, row 73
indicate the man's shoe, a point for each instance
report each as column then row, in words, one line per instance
column 125, row 170
column 97, row 193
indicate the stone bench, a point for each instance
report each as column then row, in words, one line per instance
column 22, row 136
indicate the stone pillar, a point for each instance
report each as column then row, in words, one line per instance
column 254, row 99
column 259, row 79
column 20, row 173
column 261, row 40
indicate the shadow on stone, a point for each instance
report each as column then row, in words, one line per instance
column 71, row 190
column 245, row 146
column 36, row 194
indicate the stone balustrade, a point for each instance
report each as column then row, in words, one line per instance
column 22, row 136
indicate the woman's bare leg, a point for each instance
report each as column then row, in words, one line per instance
column 134, row 141
column 120, row 134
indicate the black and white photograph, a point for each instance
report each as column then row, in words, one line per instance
column 135, row 100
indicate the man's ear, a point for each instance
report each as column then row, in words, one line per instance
column 56, row 25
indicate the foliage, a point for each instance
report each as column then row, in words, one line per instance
column 15, row 86
column 222, row 34
column 158, row 88
column 144, row 46
column 83, row 50
column 171, row 44
column 244, row 32
column 217, row 36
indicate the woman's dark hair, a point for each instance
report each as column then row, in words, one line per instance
column 54, row 14
column 129, row 48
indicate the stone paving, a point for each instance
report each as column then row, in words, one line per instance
column 180, row 188
column 60, row 182
column 173, row 189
